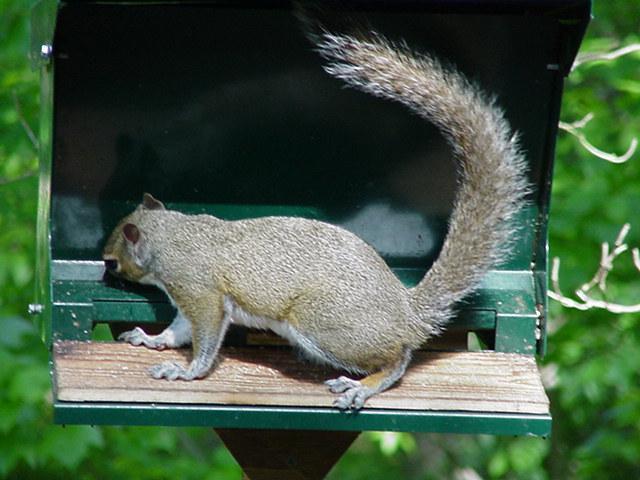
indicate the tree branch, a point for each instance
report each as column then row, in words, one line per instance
column 24, row 176
column 23, row 121
column 599, row 280
column 581, row 59
column 574, row 129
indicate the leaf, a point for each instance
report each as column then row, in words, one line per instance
column 29, row 384
column 526, row 453
column 70, row 445
column 8, row 416
column 499, row 464
column 626, row 85
column 13, row 331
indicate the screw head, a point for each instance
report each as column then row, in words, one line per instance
column 45, row 51
column 35, row 308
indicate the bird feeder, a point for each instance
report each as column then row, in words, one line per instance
column 223, row 108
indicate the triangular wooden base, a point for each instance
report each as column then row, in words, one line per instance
column 286, row 454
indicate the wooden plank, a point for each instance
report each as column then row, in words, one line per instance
column 445, row 381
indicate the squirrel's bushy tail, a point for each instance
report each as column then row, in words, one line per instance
column 492, row 182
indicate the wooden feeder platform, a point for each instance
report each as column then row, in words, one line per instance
column 479, row 392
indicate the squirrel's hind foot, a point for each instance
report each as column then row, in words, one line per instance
column 354, row 394
column 170, row 371
column 174, row 371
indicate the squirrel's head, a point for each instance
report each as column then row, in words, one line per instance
column 126, row 253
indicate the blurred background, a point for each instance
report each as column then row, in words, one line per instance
column 591, row 371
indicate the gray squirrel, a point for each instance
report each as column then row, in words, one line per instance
column 319, row 286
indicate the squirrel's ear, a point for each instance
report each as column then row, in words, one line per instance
column 151, row 203
column 131, row 233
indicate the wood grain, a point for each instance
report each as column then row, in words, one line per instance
column 447, row 381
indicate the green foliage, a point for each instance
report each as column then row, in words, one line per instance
column 595, row 400
column 18, row 105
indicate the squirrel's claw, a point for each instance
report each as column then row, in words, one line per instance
column 354, row 394
column 341, row 384
column 134, row 337
column 137, row 336
column 171, row 371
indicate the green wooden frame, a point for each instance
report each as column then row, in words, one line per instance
column 301, row 418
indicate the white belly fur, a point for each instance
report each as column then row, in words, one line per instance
column 242, row 317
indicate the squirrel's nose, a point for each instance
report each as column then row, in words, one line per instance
column 111, row 264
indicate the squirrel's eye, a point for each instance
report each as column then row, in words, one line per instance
column 111, row 265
